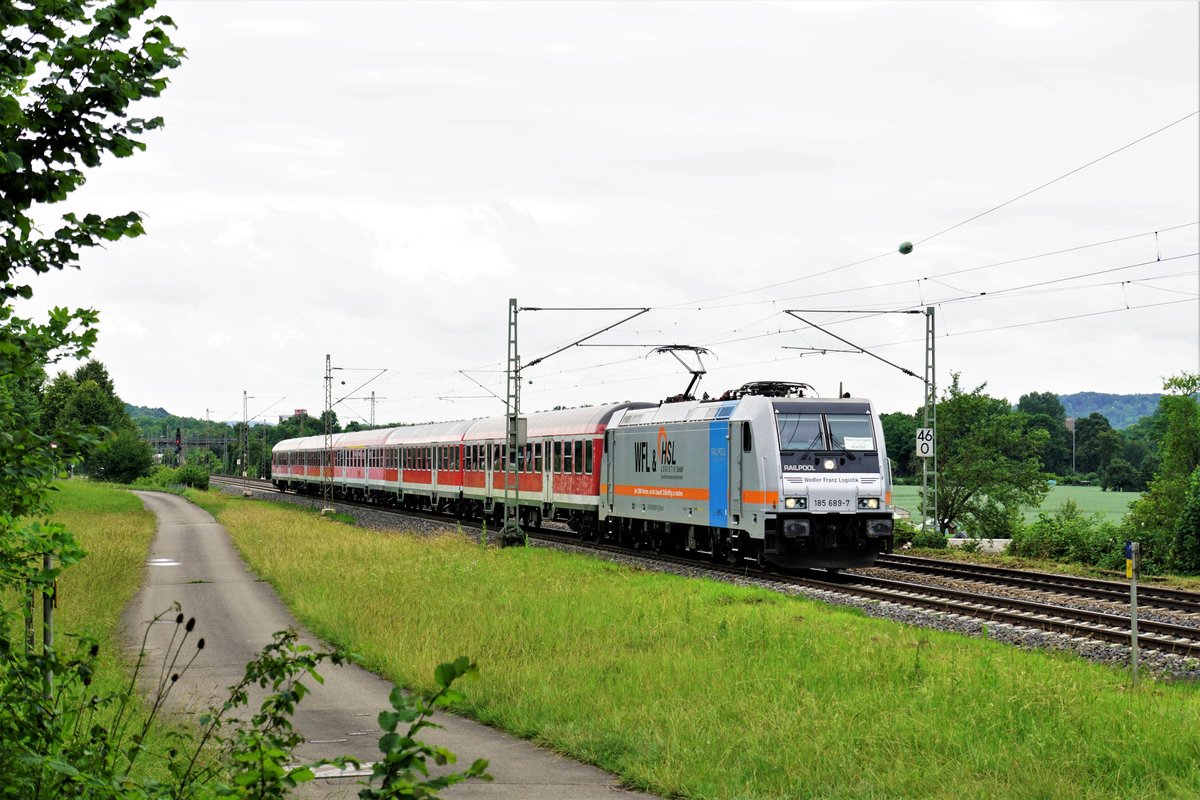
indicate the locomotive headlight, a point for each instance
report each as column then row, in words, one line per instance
column 869, row 503
column 829, row 464
column 795, row 502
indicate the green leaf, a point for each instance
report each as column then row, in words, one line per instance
column 10, row 111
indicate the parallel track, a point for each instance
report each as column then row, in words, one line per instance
column 1084, row 624
column 1157, row 596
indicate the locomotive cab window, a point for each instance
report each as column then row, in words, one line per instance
column 851, row 431
column 800, row 432
column 747, row 438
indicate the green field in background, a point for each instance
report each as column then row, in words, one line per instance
column 1090, row 499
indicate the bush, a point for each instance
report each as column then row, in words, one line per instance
column 902, row 532
column 159, row 478
column 1069, row 535
column 193, row 476
column 1120, row 476
column 1187, row 528
column 121, row 458
column 168, row 478
column 929, row 538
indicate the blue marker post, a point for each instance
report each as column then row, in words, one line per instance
column 1133, row 565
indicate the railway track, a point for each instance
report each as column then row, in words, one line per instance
column 1083, row 624
column 1071, row 585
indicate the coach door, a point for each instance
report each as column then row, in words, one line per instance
column 606, row 458
column 541, row 460
column 739, row 441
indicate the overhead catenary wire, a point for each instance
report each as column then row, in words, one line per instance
column 944, row 231
column 1109, row 154
column 730, row 335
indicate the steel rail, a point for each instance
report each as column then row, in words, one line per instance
column 1158, row 596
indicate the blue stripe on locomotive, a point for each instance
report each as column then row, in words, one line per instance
column 718, row 474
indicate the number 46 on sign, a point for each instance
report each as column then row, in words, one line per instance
column 924, row 442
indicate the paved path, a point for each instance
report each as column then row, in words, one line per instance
column 193, row 562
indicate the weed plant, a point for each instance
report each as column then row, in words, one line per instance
column 705, row 690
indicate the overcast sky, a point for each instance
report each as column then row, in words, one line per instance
column 375, row 180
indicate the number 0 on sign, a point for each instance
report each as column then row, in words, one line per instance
column 924, row 442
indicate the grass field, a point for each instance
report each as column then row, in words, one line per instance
column 116, row 531
column 705, row 690
column 1090, row 499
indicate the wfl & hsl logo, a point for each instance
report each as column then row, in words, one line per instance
column 659, row 459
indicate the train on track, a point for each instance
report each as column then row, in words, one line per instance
column 765, row 474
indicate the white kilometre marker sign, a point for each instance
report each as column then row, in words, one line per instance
column 925, row 442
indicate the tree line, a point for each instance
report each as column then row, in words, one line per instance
column 993, row 459
column 1082, row 450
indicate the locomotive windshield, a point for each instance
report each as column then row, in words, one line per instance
column 800, row 432
column 851, row 431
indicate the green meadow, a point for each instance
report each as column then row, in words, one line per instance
column 699, row 689
column 1090, row 499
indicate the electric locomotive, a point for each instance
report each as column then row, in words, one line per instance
column 765, row 475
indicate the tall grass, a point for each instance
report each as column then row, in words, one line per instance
column 116, row 531
column 705, row 690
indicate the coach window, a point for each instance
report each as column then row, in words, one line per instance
column 567, row 460
column 558, row 456
column 537, row 457
column 587, row 453
column 578, row 457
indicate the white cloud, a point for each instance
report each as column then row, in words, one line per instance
column 1022, row 14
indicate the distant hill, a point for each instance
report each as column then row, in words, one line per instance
column 1122, row 410
column 141, row 412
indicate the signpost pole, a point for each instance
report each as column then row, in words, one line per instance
column 1133, row 565
column 930, row 421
